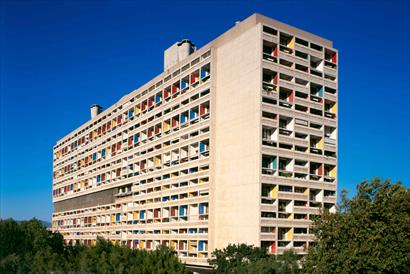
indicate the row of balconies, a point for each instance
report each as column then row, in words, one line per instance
column 155, row 131
column 191, row 79
column 196, row 134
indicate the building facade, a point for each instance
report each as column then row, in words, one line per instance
column 235, row 142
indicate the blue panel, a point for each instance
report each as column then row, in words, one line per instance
column 118, row 217
column 201, row 245
column 157, row 98
column 182, row 119
column 164, row 199
column 192, row 114
column 71, row 187
column 103, row 153
column 201, row 147
column 142, row 213
column 130, row 113
column 136, row 139
column 321, row 92
column 203, row 73
column 184, row 84
column 98, row 178
column 182, row 211
column 94, row 156
column 201, row 208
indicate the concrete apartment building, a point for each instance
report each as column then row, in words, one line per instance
column 235, row 142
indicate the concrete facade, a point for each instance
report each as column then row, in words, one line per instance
column 236, row 143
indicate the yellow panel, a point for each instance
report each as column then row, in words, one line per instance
column 274, row 192
column 333, row 172
column 135, row 215
column 289, row 235
column 112, row 217
column 306, row 192
column 166, row 126
column 142, row 244
column 334, row 109
column 320, row 144
column 292, row 43
column 93, row 242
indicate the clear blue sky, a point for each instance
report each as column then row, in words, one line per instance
column 59, row 57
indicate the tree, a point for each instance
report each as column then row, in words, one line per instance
column 28, row 247
column 369, row 234
column 235, row 256
column 242, row 258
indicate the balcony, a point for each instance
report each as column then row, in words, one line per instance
column 269, row 80
column 270, row 51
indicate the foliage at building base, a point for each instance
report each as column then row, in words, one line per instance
column 369, row 234
column 28, row 247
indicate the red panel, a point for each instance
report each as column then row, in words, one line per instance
column 130, row 139
column 275, row 80
column 320, row 170
column 291, row 97
column 174, row 89
column 334, row 58
column 194, row 78
column 275, row 51
column 272, row 247
column 166, row 93
column 173, row 122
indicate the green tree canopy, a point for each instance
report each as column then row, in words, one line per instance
column 242, row 258
column 369, row 234
column 28, row 247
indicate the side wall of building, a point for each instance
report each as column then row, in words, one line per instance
column 236, row 162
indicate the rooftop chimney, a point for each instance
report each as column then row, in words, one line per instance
column 178, row 52
column 95, row 110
